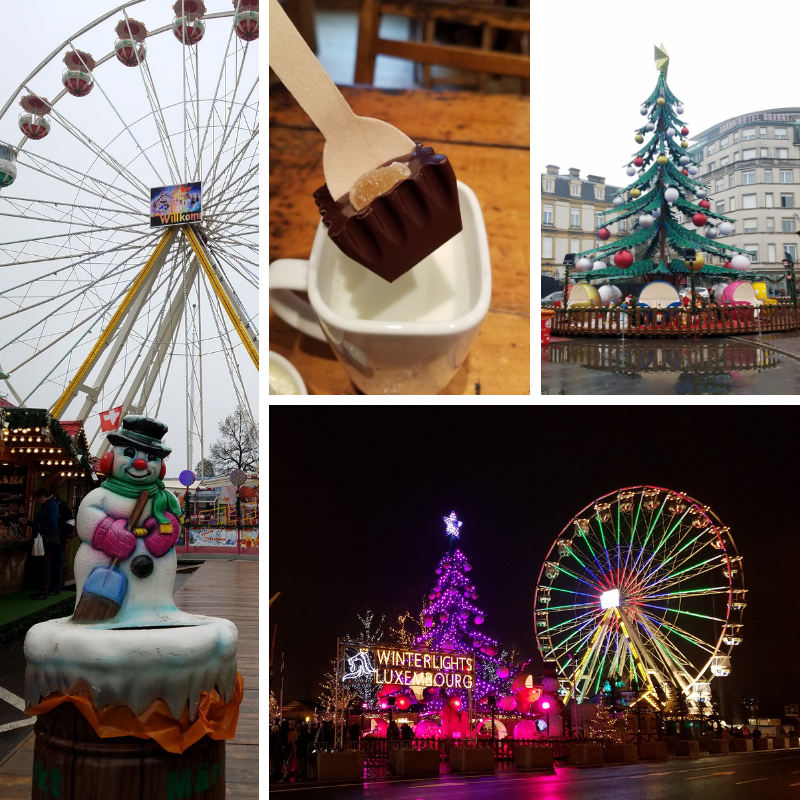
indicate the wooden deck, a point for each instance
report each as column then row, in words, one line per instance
column 226, row 589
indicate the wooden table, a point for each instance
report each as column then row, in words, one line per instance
column 488, row 139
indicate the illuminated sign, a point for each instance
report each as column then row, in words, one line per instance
column 175, row 205
column 414, row 668
column 359, row 666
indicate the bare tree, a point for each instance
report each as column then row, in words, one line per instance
column 237, row 447
column 204, row 468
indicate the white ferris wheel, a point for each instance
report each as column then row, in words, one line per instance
column 644, row 585
column 98, row 307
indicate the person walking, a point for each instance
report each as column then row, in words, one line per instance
column 66, row 531
column 288, row 758
column 406, row 733
column 275, row 753
column 46, row 523
column 301, row 748
column 745, row 731
column 756, row 734
column 355, row 734
column 393, row 731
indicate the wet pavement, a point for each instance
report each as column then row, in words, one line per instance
column 741, row 365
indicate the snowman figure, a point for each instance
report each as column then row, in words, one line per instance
column 143, row 549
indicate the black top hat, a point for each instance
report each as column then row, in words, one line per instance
column 143, row 432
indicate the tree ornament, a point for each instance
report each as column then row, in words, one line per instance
column 685, row 172
column 679, row 109
column 685, row 160
column 646, row 221
column 618, row 201
column 478, row 619
column 740, row 261
column 604, row 234
column 635, row 192
column 661, row 101
column 670, row 131
column 649, row 127
column 656, row 214
column 711, row 232
column 643, row 110
column 697, row 264
column 623, row 259
column 685, row 131
column 583, row 264
column 638, row 138
column 704, row 204
column 725, row 229
column 699, row 220
column 671, row 195
column 684, row 144
column 638, row 161
column 598, row 265
column 692, row 170
column 701, row 192
column 727, row 265
column 662, row 160
column 630, row 171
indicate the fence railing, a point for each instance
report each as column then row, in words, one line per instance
column 674, row 322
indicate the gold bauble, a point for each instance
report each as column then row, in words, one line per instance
column 661, row 101
column 635, row 192
column 639, row 138
column 684, row 144
column 662, row 160
column 697, row 264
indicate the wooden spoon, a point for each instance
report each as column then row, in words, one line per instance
column 353, row 145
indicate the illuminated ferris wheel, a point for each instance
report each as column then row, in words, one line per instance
column 106, row 298
column 644, row 584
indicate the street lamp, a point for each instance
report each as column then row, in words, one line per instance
column 571, row 657
column 492, row 700
column 788, row 265
column 569, row 261
column 546, row 708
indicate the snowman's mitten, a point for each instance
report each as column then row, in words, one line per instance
column 113, row 538
column 159, row 543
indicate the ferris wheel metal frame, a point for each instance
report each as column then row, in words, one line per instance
column 623, row 558
column 200, row 257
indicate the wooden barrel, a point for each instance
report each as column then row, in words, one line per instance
column 71, row 762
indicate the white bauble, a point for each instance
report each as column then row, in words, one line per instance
column 646, row 221
column 617, row 201
column 583, row 264
column 656, row 214
column 679, row 109
column 643, row 110
column 599, row 265
column 740, row 261
column 671, row 195
column 649, row 127
column 670, row 131
column 701, row 193
column 685, row 160
column 725, row 229
column 609, row 294
column 692, row 170
column 711, row 232
column 630, row 171
column 717, row 289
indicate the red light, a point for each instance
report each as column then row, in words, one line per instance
column 545, row 705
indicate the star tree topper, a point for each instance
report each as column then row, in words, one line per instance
column 452, row 524
column 662, row 60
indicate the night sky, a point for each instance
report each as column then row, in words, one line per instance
column 357, row 497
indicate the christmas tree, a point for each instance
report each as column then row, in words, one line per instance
column 604, row 725
column 664, row 186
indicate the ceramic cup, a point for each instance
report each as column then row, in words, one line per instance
column 406, row 337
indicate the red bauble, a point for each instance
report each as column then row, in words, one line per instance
column 685, row 131
column 727, row 265
column 704, row 204
column 623, row 259
column 685, row 171
column 638, row 161
column 699, row 219
column 604, row 233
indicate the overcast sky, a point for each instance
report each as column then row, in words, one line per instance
column 597, row 67
column 25, row 46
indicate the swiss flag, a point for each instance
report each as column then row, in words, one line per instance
column 109, row 420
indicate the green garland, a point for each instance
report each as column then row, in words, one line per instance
column 40, row 418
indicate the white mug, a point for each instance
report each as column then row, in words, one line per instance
column 406, row 337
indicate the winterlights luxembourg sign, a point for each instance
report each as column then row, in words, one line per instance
column 175, row 205
column 412, row 668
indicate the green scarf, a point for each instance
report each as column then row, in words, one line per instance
column 162, row 499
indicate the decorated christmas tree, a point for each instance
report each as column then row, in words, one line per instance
column 664, row 187
column 604, row 725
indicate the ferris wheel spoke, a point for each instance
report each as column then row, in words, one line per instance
column 229, row 131
column 562, row 644
column 679, row 547
column 664, row 538
column 234, row 260
column 160, row 121
column 650, row 530
column 692, row 571
column 670, row 657
column 679, row 611
column 58, row 204
column 594, row 585
column 726, row 590
column 684, row 634
column 229, row 171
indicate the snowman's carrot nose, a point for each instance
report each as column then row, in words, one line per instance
column 140, row 463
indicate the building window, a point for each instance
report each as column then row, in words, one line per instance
column 767, row 176
column 736, row 155
column 623, row 225
column 575, row 190
column 786, row 176
column 770, row 224
column 547, row 215
column 574, row 218
column 547, row 246
column 724, row 161
column 787, row 224
column 720, row 206
column 748, row 134
column 599, row 219
column 751, row 225
column 732, row 204
column 712, row 165
column 723, row 144
column 768, row 200
column 748, row 178
column 749, row 153
column 779, row 133
column 754, row 249
column 748, row 201
column 790, row 250
column 736, row 137
column 782, row 152
column 787, row 201
column 763, row 152
column 599, row 192
column 762, row 133
column 575, row 245
column 720, row 184
column 771, row 253
column 548, row 186
column 711, row 150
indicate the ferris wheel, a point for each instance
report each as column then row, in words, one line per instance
column 644, row 584
column 129, row 217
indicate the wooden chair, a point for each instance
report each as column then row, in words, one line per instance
column 481, row 60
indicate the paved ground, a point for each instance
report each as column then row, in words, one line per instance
column 744, row 776
column 741, row 365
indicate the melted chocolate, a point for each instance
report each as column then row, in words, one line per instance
column 402, row 226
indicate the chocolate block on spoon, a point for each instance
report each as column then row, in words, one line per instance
column 403, row 224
